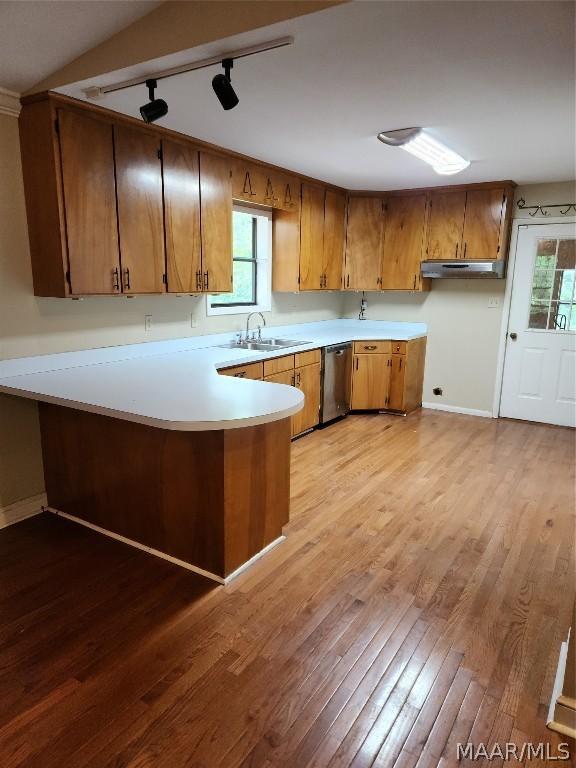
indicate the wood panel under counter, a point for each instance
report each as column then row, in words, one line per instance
column 211, row 500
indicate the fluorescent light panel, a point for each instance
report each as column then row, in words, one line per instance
column 423, row 146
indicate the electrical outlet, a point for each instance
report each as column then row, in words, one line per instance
column 493, row 301
column 193, row 322
column 147, row 322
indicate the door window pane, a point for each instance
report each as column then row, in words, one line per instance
column 553, row 293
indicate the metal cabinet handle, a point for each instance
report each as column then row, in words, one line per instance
column 127, row 278
column 348, row 281
column 371, row 346
column 240, row 375
column 116, row 279
column 206, row 278
column 198, row 280
column 465, row 246
column 400, row 365
column 456, row 256
column 356, row 363
column 293, row 381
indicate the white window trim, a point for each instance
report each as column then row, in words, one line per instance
column 263, row 266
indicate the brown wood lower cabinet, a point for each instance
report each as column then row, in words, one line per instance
column 303, row 372
column 307, row 380
column 388, row 375
column 370, row 381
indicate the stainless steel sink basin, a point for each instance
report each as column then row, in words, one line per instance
column 262, row 344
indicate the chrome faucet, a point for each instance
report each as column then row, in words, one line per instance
column 259, row 326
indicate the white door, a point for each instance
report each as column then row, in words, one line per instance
column 540, row 363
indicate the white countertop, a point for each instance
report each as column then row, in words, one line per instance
column 175, row 384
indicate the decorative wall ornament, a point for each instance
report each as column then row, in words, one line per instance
column 544, row 210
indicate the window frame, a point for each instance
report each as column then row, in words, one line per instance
column 262, row 266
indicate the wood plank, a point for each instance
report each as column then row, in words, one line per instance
column 334, row 239
column 422, row 554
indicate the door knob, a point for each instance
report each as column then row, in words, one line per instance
column 513, row 336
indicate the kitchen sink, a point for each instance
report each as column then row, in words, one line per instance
column 263, row 344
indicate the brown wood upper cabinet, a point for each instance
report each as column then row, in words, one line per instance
column 308, row 244
column 88, row 185
column 364, row 238
column 404, row 229
column 311, row 238
column 468, row 223
column 216, row 217
column 181, row 172
column 140, row 210
column 198, row 220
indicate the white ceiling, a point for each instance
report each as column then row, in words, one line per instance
column 38, row 37
column 494, row 80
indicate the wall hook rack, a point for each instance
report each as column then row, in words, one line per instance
column 544, row 210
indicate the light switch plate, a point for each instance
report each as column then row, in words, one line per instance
column 147, row 322
column 493, row 301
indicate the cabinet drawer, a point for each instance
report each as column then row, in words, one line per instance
column 278, row 364
column 250, row 371
column 398, row 347
column 307, row 358
column 372, row 347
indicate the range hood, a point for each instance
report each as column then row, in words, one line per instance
column 463, row 269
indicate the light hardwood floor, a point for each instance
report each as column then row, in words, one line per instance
column 418, row 601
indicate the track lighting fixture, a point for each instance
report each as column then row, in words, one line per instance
column 156, row 108
column 419, row 143
column 223, row 86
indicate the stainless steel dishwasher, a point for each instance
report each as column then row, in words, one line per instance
column 336, row 371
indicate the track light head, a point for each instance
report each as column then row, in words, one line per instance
column 156, row 108
column 223, row 86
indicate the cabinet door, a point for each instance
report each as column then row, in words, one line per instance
column 307, row 380
column 216, row 217
column 284, row 377
column 87, row 156
column 370, row 381
column 140, row 210
column 403, row 243
column 311, row 237
column 364, row 233
column 445, row 225
column 289, row 191
column 482, row 223
column 334, row 236
column 181, row 175
column 397, row 379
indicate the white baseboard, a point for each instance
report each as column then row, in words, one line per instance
column 21, row 510
column 163, row 555
column 458, row 409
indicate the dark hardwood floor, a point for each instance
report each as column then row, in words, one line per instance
column 419, row 601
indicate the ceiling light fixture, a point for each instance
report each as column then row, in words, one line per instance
column 156, row 108
column 423, row 146
column 222, row 85
column 98, row 92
